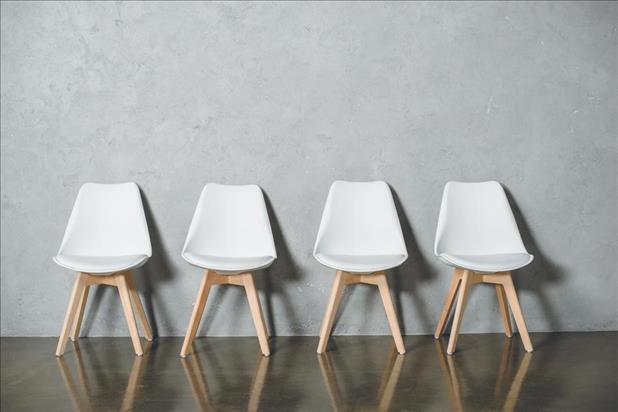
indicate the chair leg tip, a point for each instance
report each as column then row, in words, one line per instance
column 450, row 353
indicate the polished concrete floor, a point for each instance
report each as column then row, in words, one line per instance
column 567, row 372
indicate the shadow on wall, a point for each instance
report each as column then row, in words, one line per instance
column 540, row 274
column 155, row 271
column 411, row 274
column 275, row 278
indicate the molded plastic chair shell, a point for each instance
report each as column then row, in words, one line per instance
column 230, row 231
column 477, row 229
column 107, row 230
column 360, row 230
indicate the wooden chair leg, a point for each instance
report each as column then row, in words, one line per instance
column 137, row 303
column 79, row 316
column 196, row 315
column 466, row 281
column 69, row 318
column 504, row 310
column 256, row 312
column 391, row 315
column 125, row 298
column 511, row 295
column 448, row 303
column 331, row 310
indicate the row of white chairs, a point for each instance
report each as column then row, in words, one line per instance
column 230, row 238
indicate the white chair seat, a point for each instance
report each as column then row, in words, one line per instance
column 360, row 264
column 360, row 231
column 501, row 262
column 100, row 264
column 228, row 264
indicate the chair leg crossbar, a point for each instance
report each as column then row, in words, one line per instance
column 128, row 297
column 213, row 278
column 505, row 290
column 342, row 279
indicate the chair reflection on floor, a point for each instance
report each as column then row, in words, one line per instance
column 454, row 385
column 80, row 394
column 197, row 379
column 386, row 391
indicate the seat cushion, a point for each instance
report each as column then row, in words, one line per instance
column 100, row 264
column 360, row 263
column 502, row 262
column 228, row 264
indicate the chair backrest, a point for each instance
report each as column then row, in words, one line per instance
column 231, row 221
column 476, row 219
column 360, row 218
column 107, row 220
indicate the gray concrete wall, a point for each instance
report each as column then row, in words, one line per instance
column 292, row 97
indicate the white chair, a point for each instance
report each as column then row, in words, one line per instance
column 477, row 235
column 360, row 237
column 106, row 237
column 229, row 237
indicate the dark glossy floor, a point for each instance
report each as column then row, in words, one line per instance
column 567, row 372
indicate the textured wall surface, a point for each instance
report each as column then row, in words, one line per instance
column 292, row 97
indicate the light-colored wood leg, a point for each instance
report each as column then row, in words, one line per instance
column 256, row 312
column 69, row 318
column 137, row 303
column 448, row 303
column 511, row 295
column 257, row 384
column 466, row 281
column 504, row 310
column 196, row 315
column 125, row 298
column 77, row 325
column 390, row 311
column 331, row 311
